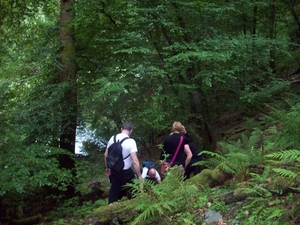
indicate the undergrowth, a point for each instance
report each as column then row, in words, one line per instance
column 265, row 170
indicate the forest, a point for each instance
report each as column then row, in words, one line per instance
column 229, row 70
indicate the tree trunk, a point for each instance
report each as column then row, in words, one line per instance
column 294, row 12
column 68, row 79
column 272, row 35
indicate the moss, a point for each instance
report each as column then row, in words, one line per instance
column 201, row 180
column 115, row 212
column 240, row 193
column 208, row 178
column 108, row 212
column 280, row 184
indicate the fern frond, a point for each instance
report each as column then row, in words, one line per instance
column 212, row 154
column 285, row 173
column 227, row 168
column 292, row 102
column 231, row 146
column 239, row 156
column 292, row 154
column 257, row 190
column 276, row 213
column 272, row 130
column 260, row 178
column 213, row 161
column 209, row 163
column 295, row 188
column 254, row 139
column 154, row 210
column 255, row 201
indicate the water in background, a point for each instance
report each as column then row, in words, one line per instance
column 83, row 135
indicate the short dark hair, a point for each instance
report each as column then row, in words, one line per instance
column 127, row 125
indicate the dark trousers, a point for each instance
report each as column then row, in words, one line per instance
column 189, row 169
column 118, row 180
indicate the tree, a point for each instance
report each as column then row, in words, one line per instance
column 29, row 106
column 68, row 78
column 96, row 63
column 155, row 60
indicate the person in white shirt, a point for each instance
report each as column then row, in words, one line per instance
column 119, row 179
column 151, row 174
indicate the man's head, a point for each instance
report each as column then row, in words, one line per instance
column 127, row 127
column 152, row 173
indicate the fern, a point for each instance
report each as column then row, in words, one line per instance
column 285, row 173
column 260, row 178
column 255, row 202
column 288, row 121
column 213, row 154
column 161, row 200
column 257, row 191
column 260, row 214
column 295, row 189
column 227, row 168
column 286, row 155
column 235, row 162
column 275, row 213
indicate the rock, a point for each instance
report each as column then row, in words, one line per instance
column 212, row 217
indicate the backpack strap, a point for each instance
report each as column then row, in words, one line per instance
column 115, row 139
column 123, row 139
column 177, row 150
column 121, row 143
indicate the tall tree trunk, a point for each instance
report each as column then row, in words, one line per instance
column 254, row 24
column 68, row 77
column 295, row 36
column 272, row 35
column 295, row 14
column 199, row 106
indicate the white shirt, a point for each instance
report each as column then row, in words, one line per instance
column 128, row 145
column 145, row 174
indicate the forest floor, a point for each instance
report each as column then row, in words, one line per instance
column 99, row 187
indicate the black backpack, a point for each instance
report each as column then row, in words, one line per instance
column 114, row 159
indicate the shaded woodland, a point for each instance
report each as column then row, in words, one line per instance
column 229, row 70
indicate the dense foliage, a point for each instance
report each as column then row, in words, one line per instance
column 228, row 70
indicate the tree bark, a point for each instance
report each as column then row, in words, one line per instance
column 68, row 79
column 272, row 35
